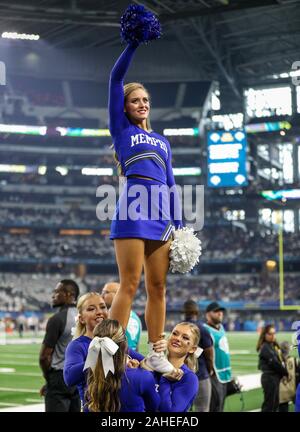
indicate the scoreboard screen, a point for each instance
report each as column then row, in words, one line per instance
column 226, row 159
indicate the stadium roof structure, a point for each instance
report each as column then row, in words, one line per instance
column 239, row 42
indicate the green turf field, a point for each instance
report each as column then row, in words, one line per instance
column 21, row 378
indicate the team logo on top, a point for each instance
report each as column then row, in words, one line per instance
column 146, row 139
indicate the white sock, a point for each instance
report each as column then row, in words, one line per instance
column 150, row 348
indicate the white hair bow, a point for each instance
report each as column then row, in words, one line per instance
column 198, row 352
column 108, row 348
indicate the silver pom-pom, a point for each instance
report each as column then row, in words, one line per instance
column 185, row 250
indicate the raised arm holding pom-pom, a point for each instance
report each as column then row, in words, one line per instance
column 144, row 158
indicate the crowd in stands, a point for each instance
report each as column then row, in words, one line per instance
column 222, row 243
column 60, row 217
column 55, row 178
column 54, row 247
column 33, row 291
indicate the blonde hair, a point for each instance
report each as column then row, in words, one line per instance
column 191, row 360
column 129, row 88
column 80, row 328
column 102, row 394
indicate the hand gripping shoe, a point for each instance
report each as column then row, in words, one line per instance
column 157, row 362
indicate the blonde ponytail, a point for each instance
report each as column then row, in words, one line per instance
column 102, row 394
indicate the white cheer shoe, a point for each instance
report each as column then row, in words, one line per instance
column 157, row 362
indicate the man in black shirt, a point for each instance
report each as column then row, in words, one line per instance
column 59, row 397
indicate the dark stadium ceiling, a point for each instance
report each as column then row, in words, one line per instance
column 239, row 40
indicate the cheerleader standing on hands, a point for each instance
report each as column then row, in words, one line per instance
column 145, row 159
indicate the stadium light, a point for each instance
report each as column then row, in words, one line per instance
column 81, row 132
column 23, row 129
column 42, row 170
column 181, row 132
column 12, row 168
column 97, row 171
column 62, row 170
column 272, row 195
column 293, row 73
column 192, row 171
column 22, row 36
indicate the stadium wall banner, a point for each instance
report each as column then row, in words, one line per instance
column 246, row 305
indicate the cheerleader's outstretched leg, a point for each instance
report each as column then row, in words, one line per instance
column 156, row 267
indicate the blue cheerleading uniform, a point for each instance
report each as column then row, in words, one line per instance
column 178, row 396
column 297, row 401
column 175, row 396
column 137, row 393
column 141, row 153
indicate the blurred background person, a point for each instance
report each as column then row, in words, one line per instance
column 288, row 385
column 221, row 373
column 58, row 396
column 33, row 324
column 272, row 365
column 21, row 323
column 205, row 361
column 134, row 326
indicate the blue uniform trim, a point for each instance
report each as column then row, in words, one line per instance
column 167, row 232
column 145, row 155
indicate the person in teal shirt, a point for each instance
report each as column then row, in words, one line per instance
column 221, row 374
column 134, row 326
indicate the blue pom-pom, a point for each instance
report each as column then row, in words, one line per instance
column 139, row 25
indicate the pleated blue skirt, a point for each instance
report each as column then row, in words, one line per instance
column 142, row 211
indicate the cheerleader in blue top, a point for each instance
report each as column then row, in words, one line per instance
column 92, row 312
column 141, row 232
column 178, row 389
column 111, row 385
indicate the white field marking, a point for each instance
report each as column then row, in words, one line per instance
column 250, row 382
column 9, row 404
column 234, row 352
column 26, row 408
column 16, row 355
column 18, row 390
column 7, row 370
column 32, row 374
column 23, row 341
column 8, row 362
column 33, row 400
